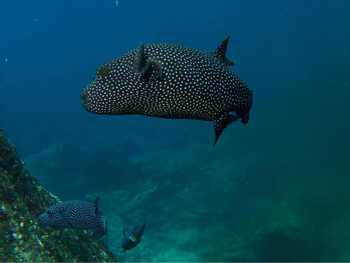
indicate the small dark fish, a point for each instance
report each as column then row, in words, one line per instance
column 75, row 214
column 171, row 81
column 132, row 237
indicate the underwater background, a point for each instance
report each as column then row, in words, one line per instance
column 276, row 189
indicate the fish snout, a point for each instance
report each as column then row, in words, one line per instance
column 43, row 219
column 84, row 99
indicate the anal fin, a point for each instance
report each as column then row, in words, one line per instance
column 221, row 123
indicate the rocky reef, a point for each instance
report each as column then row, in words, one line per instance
column 22, row 198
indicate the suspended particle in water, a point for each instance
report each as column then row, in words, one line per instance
column 6, row 60
column 116, row 3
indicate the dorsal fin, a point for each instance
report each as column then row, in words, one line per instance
column 147, row 66
column 220, row 52
column 140, row 59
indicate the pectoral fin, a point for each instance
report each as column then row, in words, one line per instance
column 147, row 67
column 133, row 238
column 221, row 123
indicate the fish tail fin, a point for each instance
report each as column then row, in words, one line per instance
column 105, row 225
column 97, row 205
column 102, row 229
column 221, row 123
column 141, row 230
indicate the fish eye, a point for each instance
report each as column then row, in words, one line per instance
column 103, row 71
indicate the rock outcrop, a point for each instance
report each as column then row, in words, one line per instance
column 22, row 198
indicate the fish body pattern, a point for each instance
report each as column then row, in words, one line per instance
column 132, row 237
column 171, row 81
column 75, row 214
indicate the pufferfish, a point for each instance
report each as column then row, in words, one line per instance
column 75, row 214
column 171, row 81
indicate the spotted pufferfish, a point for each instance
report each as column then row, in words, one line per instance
column 75, row 214
column 171, row 81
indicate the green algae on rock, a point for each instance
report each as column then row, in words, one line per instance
column 22, row 239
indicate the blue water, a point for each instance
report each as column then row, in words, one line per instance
column 272, row 190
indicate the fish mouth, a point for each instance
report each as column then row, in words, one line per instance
column 41, row 220
column 84, row 99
